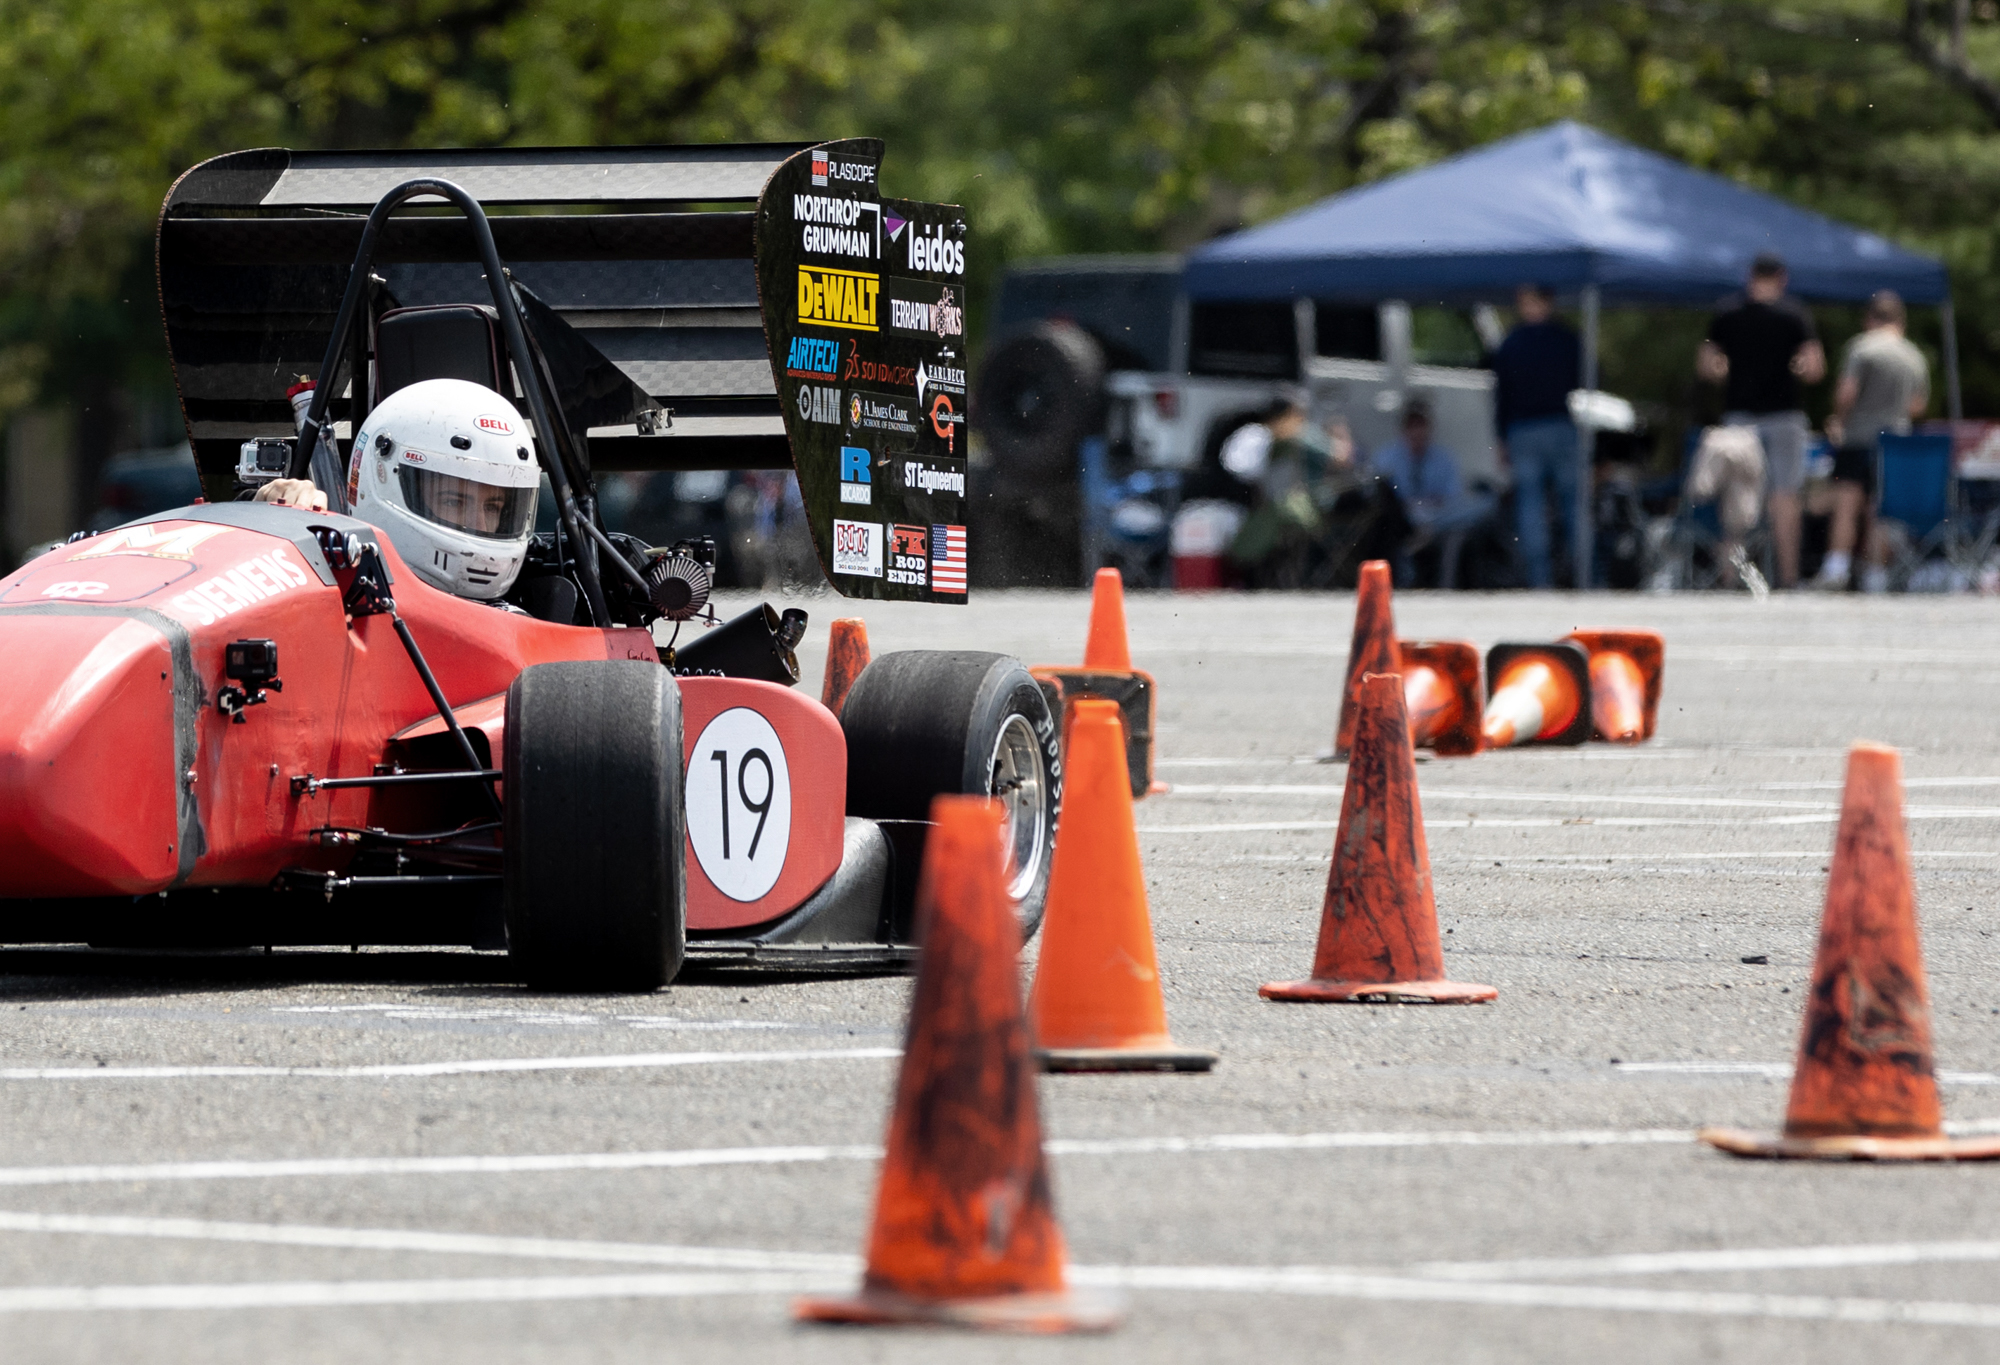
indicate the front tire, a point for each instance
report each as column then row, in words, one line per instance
column 594, row 835
column 926, row 723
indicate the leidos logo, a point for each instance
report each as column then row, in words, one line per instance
column 931, row 248
column 839, row 298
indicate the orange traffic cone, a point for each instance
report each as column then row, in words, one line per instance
column 1105, row 647
column 1374, row 647
column 1442, row 691
column 965, row 1232
column 1096, row 1002
column 1539, row 695
column 1378, row 933
column 846, row 655
column 1864, row 1088
column 1625, row 668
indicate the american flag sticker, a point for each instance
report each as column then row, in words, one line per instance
column 947, row 559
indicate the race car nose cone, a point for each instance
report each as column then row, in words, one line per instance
column 89, row 794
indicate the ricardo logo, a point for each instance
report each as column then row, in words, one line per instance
column 499, row 426
column 839, row 298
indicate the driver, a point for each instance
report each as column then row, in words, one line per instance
column 447, row 469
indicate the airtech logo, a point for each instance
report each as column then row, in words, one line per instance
column 839, row 298
column 161, row 541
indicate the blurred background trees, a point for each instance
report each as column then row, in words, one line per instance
column 1140, row 125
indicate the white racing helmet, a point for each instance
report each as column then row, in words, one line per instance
column 447, row 469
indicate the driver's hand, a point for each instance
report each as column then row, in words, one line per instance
column 293, row 493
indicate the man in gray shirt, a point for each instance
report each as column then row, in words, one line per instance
column 1884, row 382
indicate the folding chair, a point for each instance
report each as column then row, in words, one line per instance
column 1915, row 479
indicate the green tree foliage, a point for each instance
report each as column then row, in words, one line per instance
column 1140, row 125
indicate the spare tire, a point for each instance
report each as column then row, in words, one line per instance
column 1041, row 392
column 923, row 723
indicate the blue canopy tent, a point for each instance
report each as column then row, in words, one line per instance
column 1571, row 208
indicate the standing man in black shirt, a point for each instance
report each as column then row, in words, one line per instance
column 1762, row 346
column 1534, row 370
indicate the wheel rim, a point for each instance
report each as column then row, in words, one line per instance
column 1021, row 786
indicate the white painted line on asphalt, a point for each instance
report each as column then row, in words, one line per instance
column 1827, row 817
column 295, row 1167
column 442, row 1243
column 1584, row 859
column 355, row 1293
column 537, row 1018
column 1781, row 1071
column 474, row 1067
column 1715, row 1262
column 1483, row 794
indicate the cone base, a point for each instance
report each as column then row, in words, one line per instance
column 1042, row 1314
column 1378, row 992
column 1169, row 1058
column 1738, row 1142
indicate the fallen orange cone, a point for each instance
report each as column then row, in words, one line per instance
column 1096, row 1003
column 846, row 655
column 1373, row 649
column 965, row 1231
column 1378, row 934
column 1625, row 670
column 1864, row 1088
column 1107, row 674
column 1540, row 695
column 1442, row 690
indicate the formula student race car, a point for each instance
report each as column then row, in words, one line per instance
column 393, row 722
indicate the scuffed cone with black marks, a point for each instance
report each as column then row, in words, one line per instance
column 1373, row 649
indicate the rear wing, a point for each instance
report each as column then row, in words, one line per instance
column 765, row 297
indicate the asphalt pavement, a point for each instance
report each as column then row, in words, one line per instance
column 393, row 1156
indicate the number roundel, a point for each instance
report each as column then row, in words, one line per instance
column 739, row 804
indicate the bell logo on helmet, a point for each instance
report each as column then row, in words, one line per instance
column 498, row 425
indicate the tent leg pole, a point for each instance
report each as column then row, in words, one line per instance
column 1954, row 405
column 1584, row 551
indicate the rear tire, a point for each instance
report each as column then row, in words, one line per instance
column 927, row 723
column 595, row 838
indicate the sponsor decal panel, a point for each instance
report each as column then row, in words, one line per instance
column 933, row 476
column 856, row 479
column 923, row 308
column 882, row 412
column 948, row 558
column 839, row 298
column 909, row 556
column 857, row 548
column 255, row 579
column 813, row 358
column 819, row 403
column 830, row 226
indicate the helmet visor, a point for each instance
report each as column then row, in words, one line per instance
column 480, row 509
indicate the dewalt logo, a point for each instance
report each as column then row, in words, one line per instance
column 839, row 298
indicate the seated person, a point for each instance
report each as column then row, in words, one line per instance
column 447, row 470
column 1426, row 480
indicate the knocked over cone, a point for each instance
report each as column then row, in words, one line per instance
column 1096, row 1003
column 1378, row 934
column 1373, row 649
column 1443, row 691
column 1625, row 669
column 1864, row 1088
column 965, row 1233
column 1541, row 695
column 1107, row 673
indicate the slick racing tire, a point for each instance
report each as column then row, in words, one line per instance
column 1041, row 391
column 926, row 723
column 595, row 833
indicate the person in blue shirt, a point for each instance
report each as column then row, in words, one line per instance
column 1535, row 369
column 1426, row 482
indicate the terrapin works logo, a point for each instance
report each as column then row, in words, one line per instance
column 856, row 481
column 499, row 426
column 839, row 298
column 939, row 316
column 813, row 358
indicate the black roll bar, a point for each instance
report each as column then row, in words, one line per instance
column 540, row 407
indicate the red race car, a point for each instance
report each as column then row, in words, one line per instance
column 412, row 718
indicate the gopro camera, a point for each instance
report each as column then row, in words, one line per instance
column 264, row 459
